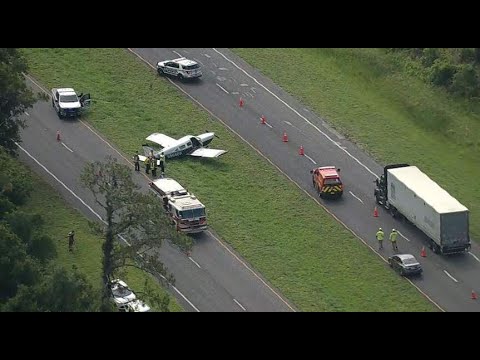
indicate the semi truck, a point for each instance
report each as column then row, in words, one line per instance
column 407, row 192
column 185, row 211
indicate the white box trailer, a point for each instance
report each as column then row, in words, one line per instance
column 429, row 207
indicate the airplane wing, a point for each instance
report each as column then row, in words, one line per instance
column 162, row 140
column 207, row 153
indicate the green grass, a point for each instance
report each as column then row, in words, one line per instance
column 314, row 262
column 368, row 95
column 60, row 218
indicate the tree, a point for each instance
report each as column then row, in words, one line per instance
column 16, row 266
column 15, row 97
column 129, row 213
column 58, row 291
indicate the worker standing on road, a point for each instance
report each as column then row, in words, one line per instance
column 153, row 165
column 162, row 163
column 380, row 235
column 393, row 239
column 71, row 240
column 136, row 161
column 147, row 165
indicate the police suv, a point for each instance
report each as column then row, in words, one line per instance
column 182, row 68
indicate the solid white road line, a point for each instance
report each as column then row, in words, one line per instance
column 207, row 56
column 223, row 69
column 252, row 271
column 309, row 158
column 66, row 147
column 177, row 53
column 296, row 112
column 356, row 197
column 292, row 181
column 26, row 113
column 59, row 181
column 403, row 236
column 184, row 298
column 222, row 88
column 194, row 262
column 450, row 276
column 270, row 126
column 474, row 256
column 239, row 304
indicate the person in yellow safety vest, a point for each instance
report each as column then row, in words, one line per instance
column 153, row 165
column 393, row 239
column 162, row 163
column 147, row 165
column 380, row 235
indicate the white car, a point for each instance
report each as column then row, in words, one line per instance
column 134, row 306
column 121, row 293
column 67, row 103
column 182, row 68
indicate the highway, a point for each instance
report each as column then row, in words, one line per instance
column 213, row 278
column 447, row 281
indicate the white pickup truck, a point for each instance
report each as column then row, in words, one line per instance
column 67, row 103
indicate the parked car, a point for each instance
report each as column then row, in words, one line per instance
column 181, row 68
column 405, row 264
column 121, row 293
column 134, row 306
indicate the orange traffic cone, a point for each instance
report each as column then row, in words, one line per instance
column 423, row 253
column 301, row 151
column 58, row 135
column 263, row 120
column 375, row 212
column 241, row 102
column 285, row 137
column 474, row 295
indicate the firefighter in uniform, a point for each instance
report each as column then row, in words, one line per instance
column 136, row 161
column 147, row 165
column 162, row 163
column 153, row 165
column 393, row 239
column 380, row 235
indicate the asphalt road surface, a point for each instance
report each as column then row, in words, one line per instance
column 213, row 278
column 447, row 281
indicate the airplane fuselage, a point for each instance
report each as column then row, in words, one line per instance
column 186, row 145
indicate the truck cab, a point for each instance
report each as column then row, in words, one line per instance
column 185, row 211
column 67, row 103
column 326, row 180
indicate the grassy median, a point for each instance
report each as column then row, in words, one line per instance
column 368, row 95
column 312, row 259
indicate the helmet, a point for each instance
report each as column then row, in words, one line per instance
column 379, row 228
column 394, row 230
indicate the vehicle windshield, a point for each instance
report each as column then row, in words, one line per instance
column 193, row 213
column 68, row 98
column 333, row 182
column 409, row 261
column 121, row 291
column 191, row 67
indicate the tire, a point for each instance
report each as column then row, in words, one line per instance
column 53, row 103
column 402, row 273
column 160, row 72
column 390, row 263
column 435, row 248
column 180, row 77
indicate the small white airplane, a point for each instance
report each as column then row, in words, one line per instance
column 187, row 145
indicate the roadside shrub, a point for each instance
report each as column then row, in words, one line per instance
column 442, row 72
column 465, row 81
